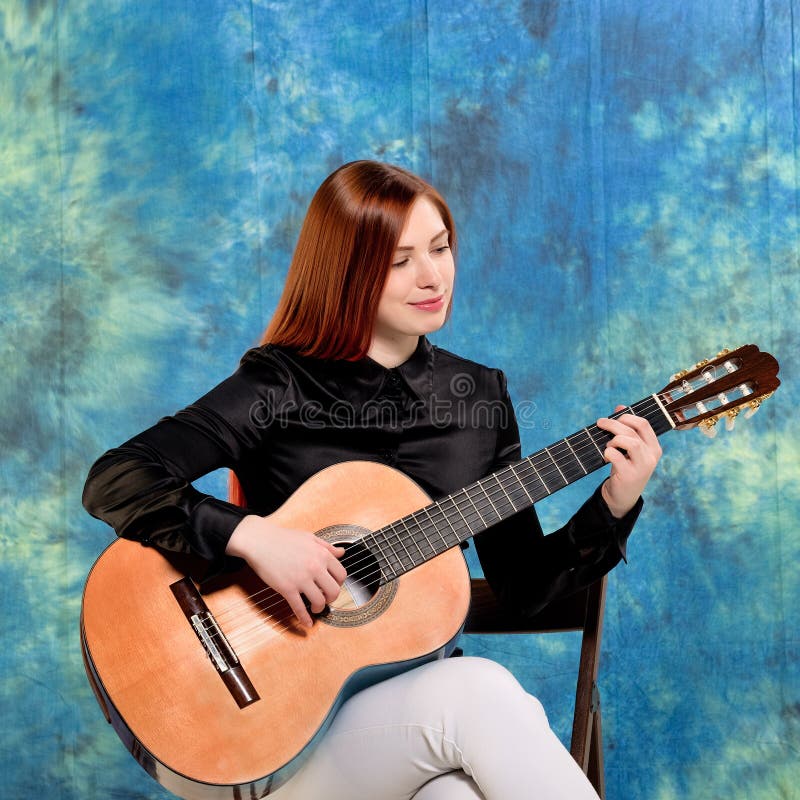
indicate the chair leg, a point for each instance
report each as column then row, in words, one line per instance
column 587, row 740
column 595, row 769
column 582, row 726
column 587, row 737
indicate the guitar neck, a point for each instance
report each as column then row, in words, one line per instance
column 416, row 538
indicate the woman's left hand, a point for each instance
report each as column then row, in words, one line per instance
column 633, row 453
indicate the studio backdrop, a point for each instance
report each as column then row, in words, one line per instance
column 625, row 181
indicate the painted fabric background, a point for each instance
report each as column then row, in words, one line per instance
column 624, row 175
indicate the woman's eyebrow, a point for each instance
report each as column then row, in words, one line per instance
column 441, row 233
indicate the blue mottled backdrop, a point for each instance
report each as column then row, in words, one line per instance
column 625, row 178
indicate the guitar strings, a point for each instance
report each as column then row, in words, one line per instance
column 472, row 515
column 495, row 492
column 258, row 627
column 655, row 411
column 491, row 496
column 521, row 470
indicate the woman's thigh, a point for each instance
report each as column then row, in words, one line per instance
column 459, row 714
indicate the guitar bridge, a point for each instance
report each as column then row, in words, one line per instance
column 217, row 647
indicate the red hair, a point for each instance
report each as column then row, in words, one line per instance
column 341, row 263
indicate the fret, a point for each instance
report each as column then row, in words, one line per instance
column 514, row 488
column 374, row 538
column 394, row 562
column 576, row 456
column 418, row 527
column 599, row 435
column 591, row 455
column 563, row 477
column 415, row 538
column 564, row 457
column 477, row 510
column 430, row 544
column 467, row 526
column 513, row 469
column 436, row 527
column 486, row 495
column 529, row 459
column 594, row 442
column 502, row 489
column 437, row 548
column 424, row 536
column 403, row 545
column 545, row 471
column 450, row 524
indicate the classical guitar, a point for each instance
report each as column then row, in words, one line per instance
column 223, row 695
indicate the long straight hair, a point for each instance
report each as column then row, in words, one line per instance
column 342, row 260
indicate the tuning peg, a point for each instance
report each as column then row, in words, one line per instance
column 678, row 375
column 709, row 427
column 730, row 418
column 723, row 352
column 700, row 364
column 754, row 405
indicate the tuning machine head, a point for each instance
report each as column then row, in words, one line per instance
column 717, row 387
column 699, row 365
column 709, row 426
column 730, row 418
column 754, row 405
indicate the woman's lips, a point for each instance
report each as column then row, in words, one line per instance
column 434, row 304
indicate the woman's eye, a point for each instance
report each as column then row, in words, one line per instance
column 400, row 263
column 443, row 248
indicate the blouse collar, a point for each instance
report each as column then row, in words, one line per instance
column 364, row 380
column 359, row 382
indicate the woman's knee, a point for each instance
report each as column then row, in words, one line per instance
column 476, row 675
column 481, row 686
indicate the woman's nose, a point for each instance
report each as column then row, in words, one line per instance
column 428, row 273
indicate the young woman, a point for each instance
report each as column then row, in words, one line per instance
column 345, row 372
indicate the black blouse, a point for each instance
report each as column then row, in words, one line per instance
column 281, row 417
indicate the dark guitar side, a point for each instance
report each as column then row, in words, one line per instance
column 166, row 699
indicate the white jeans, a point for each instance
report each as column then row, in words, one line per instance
column 457, row 729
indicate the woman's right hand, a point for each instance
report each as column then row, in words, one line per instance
column 294, row 563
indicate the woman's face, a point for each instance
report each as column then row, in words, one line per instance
column 418, row 290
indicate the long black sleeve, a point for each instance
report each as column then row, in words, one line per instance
column 143, row 488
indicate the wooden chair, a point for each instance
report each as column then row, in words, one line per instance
column 582, row 611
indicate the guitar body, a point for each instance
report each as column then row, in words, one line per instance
column 168, row 701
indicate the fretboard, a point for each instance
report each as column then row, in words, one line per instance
column 418, row 537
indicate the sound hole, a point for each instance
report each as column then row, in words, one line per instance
column 363, row 576
column 363, row 597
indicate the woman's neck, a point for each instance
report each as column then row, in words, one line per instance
column 392, row 353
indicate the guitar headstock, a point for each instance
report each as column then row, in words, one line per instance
column 721, row 386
